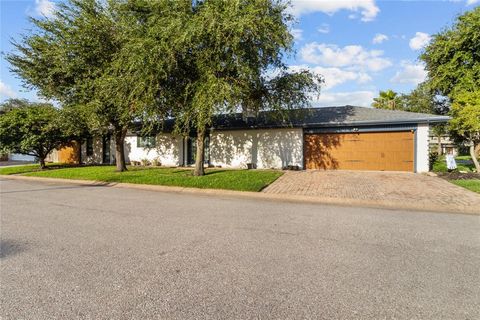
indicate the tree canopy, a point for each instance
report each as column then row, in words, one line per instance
column 130, row 60
column 453, row 63
column 453, row 56
column 233, row 56
column 80, row 58
column 466, row 120
column 32, row 128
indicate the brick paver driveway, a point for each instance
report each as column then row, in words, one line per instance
column 386, row 189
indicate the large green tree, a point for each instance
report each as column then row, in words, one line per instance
column 80, row 57
column 423, row 99
column 453, row 56
column 466, row 120
column 31, row 128
column 233, row 61
column 453, row 63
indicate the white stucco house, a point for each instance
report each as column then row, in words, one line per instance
column 344, row 138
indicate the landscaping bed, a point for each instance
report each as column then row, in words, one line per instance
column 464, row 176
column 240, row 180
column 456, row 175
column 469, row 180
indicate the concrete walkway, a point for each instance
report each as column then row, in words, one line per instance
column 396, row 189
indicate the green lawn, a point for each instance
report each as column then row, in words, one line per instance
column 464, row 163
column 242, row 180
column 472, row 184
column 29, row 168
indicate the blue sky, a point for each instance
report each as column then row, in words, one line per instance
column 359, row 46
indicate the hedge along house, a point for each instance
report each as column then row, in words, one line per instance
column 344, row 138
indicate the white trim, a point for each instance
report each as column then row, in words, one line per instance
column 422, row 148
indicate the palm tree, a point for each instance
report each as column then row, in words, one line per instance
column 386, row 100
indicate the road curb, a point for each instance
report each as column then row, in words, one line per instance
column 259, row 195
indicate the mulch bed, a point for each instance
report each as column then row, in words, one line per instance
column 455, row 175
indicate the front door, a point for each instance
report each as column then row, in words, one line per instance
column 106, row 149
column 191, row 147
column 191, row 150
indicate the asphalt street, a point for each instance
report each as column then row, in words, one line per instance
column 96, row 252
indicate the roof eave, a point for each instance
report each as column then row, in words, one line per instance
column 378, row 122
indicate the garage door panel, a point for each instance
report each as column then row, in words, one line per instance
column 393, row 151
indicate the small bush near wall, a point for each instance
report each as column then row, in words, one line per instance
column 156, row 162
column 432, row 158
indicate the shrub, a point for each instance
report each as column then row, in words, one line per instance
column 156, row 162
column 432, row 158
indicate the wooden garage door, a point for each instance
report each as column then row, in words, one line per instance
column 391, row 151
column 69, row 154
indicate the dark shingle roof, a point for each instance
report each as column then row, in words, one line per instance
column 324, row 117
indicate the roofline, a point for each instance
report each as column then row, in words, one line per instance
column 439, row 119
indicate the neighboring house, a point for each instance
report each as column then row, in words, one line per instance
column 347, row 138
column 66, row 154
column 446, row 143
column 20, row 157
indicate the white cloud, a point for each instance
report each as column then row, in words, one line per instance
column 367, row 8
column 413, row 73
column 6, row 92
column 335, row 76
column 324, row 28
column 44, row 8
column 470, row 2
column 379, row 38
column 297, row 34
column 420, row 40
column 356, row 98
column 353, row 56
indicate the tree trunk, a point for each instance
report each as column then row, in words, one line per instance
column 120, row 149
column 474, row 157
column 199, row 159
column 439, row 146
column 42, row 163
column 78, row 146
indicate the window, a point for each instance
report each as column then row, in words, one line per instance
column 146, row 142
column 89, row 146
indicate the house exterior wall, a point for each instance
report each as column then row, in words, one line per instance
column 446, row 143
column 52, row 156
column 97, row 156
column 272, row 148
column 168, row 150
column 267, row 148
column 422, row 148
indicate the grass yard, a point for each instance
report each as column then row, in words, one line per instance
column 241, row 180
column 470, row 184
column 464, row 163
column 466, row 180
column 29, row 168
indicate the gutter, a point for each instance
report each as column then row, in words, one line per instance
column 441, row 119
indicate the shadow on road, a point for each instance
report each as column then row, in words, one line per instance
column 9, row 247
column 93, row 185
